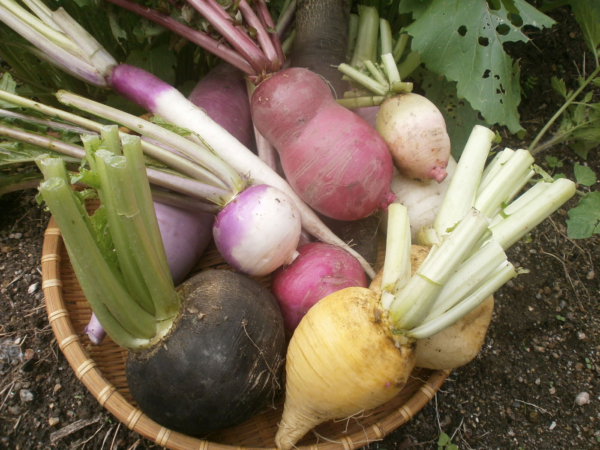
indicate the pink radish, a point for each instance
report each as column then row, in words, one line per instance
column 319, row 270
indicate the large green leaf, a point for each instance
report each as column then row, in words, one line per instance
column 159, row 61
column 458, row 114
column 462, row 40
column 584, row 219
column 587, row 14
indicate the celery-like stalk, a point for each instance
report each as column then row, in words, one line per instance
column 396, row 268
column 92, row 267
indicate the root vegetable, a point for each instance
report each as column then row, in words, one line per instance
column 319, row 270
column 415, row 132
column 258, row 231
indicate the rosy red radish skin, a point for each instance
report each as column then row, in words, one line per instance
column 319, row 270
column 332, row 158
column 415, row 132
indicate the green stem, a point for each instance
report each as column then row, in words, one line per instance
column 132, row 273
column 366, row 41
column 376, row 73
column 93, row 269
column 132, row 150
column 392, row 73
column 532, row 147
column 360, row 102
column 385, row 33
column 372, row 85
column 400, row 46
column 496, row 281
column 352, row 35
column 409, row 65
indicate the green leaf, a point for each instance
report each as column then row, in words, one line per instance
column 460, row 117
column 169, row 126
column 159, row 61
column 584, row 175
column 558, row 176
column 559, row 86
column 587, row 14
column 9, row 85
column 18, row 153
column 443, row 439
column 553, row 162
column 414, row 7
column 582, row 148
column 584, row 218
column 462, row 39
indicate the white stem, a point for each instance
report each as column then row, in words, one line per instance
column 48, row 31
column 504, row 182
column 466, row 306
column 463, row 186
column 472, row 273
column 411, row 305
column 519, row 186
column 493, row 167
column 100, row 58
column 198, row 153
column 521, row 222
column 397, row 253
column 72, row 63
column 43, row 12
column 427, row 236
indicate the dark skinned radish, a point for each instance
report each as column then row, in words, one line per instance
column 319, row 270
column 229, row 337
column 321, row 40
column 222, row 94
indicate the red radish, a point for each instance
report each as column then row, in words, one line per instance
column 319, row 270
column 333, row 159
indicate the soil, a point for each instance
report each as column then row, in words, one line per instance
column 535, row 384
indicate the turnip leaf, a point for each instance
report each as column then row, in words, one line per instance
column 463, row 40
column 458, row 114
column 587, row 14
column 584, row 219
column 584, row 175
column 159, row 61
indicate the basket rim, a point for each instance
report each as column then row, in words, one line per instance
column 107, row 395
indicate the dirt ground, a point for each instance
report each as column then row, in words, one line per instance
column 535, row 384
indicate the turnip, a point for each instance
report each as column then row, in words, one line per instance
column 165, row 101
column 183, row 344
column 411, row 125
column 319, row 270
column 332, row 159
column 355, row 348
column 422, row 199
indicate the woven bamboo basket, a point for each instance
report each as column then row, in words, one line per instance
column 102, row 370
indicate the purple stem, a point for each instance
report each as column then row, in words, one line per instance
column 240, row 41
column 267, row 23
column 199, row 38
column 263, row 36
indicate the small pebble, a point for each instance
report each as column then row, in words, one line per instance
column 52, row 421
column 26, row 395
column 538, row 381
column 552, row 426
column 552, row 390
column 32, row 288
column 582, row 399
column 581, row 336
column 590, row 275
column 57, row 387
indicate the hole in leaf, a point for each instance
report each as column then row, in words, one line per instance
column 483, row 41
column 515, row 19
column 494, row 4
column 486, row 74
column 497, row 77
column 462, row 30
column 503, row 29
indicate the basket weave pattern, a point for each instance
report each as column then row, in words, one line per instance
column 102, row 370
